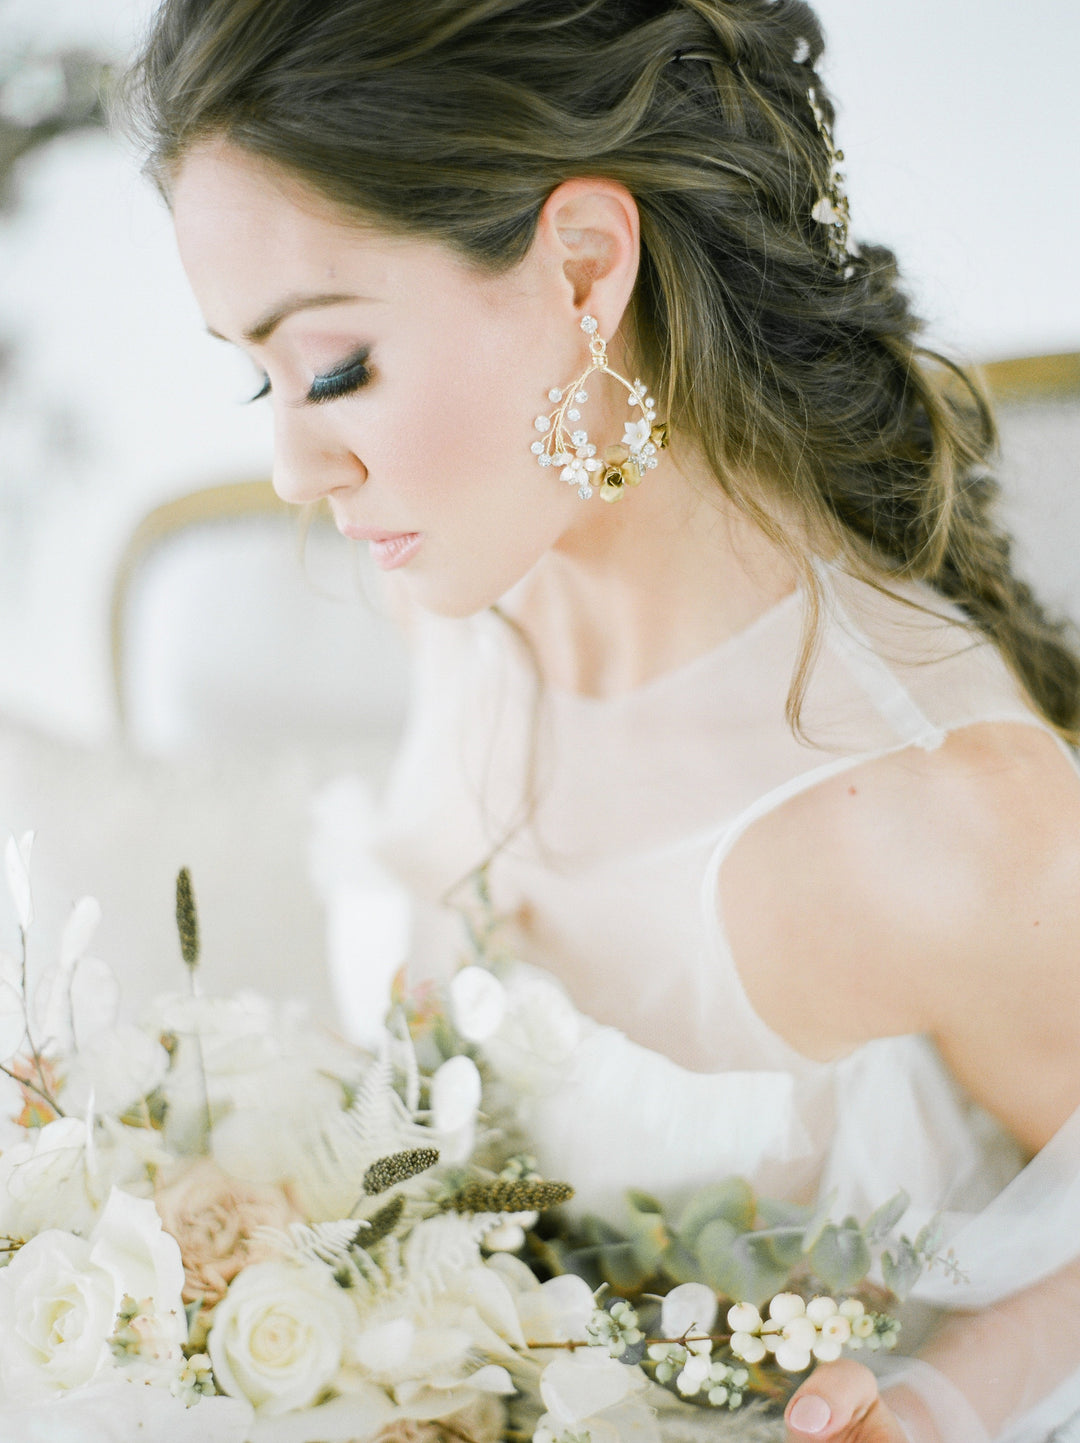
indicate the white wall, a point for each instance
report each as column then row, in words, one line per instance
column 958, row 120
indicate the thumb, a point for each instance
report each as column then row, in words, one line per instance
column 833, row 1397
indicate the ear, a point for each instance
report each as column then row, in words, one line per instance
column 590, row 236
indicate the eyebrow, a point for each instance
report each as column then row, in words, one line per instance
column 268, row 324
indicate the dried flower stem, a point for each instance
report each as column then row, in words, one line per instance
column 575, row 1343
column 42, row 1091
column 187, row 927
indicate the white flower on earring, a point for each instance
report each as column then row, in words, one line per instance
column 636, row 434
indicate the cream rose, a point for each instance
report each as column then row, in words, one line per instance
column 214, row 1218
column 482, row 1421
column 278, row 1335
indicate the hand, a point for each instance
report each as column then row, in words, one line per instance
column 839, row 1402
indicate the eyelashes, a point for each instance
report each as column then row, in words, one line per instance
column 352, row 375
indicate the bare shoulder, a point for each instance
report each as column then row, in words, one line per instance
column 928, row 891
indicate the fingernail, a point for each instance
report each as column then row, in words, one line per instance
column 810, row 1414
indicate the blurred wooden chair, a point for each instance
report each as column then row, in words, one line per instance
column 236, row 624
column 1038, row 405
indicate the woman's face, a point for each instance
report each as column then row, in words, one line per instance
column 404, row 385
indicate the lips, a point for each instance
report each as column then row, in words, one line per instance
column 370, row 533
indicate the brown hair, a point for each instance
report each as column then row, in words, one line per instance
column 455, row 119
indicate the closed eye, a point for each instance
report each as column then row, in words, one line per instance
column 343, row 380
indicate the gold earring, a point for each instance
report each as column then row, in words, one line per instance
column 566, row 443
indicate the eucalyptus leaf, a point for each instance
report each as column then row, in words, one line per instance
column 714, row 1246
column 650, row 1247
column 739, row 1265
column 777, row 1213
column 619, row 1266
column 645, row 1227
column 785, row 1244
column 901, row 1272
column 642, row 1202
column 883, row 1219
column 930, row 1237
column 819, row 1221
column 597, row 1232
column 732, row 1201
column 679, row 1263
column 841, row 1257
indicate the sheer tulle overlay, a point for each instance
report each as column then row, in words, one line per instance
column 663, row 1077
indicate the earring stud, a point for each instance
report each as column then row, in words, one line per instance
column 566, row 442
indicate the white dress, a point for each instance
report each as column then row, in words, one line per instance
column 673, row 1080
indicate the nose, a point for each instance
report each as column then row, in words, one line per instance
column 310, row 462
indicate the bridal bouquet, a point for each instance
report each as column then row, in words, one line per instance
column 226, row 1225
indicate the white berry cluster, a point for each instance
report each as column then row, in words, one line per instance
column 615, row 1328
column 695, row 1372
column 797, row 1331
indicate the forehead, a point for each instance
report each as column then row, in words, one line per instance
column 249, row 231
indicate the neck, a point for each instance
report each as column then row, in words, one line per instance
column 640, row 587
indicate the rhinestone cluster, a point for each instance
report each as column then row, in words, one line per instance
column 566, row 443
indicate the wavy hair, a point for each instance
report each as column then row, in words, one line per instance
column 797, row 378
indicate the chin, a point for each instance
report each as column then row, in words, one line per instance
column 455, row 602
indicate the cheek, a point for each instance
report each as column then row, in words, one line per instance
column 463, row 425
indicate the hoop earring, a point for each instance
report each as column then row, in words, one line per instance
column 567, row 444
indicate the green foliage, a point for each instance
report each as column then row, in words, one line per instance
column 733, row 1200
column 746, row 1248
column 841, row 1256
column 901, row 1269
column 882, row 1221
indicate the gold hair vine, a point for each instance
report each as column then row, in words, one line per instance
column 566, row 443
column 832, row 208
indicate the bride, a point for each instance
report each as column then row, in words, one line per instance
column 722, row 673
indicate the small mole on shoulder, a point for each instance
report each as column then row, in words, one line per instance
column 852, row 791
column 1035, row 924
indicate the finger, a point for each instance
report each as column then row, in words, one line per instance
column 833, row 1397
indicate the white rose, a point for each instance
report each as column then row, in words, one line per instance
column 278, row 1335
column 60, row 1294
column 56, row 1311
